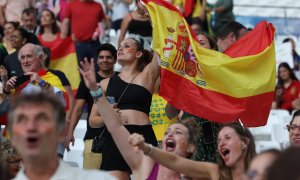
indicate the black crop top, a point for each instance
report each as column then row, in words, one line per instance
column 142, row 28
column 136, row 97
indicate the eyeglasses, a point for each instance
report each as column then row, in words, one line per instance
column 292, row 127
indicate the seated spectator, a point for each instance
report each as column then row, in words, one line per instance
column 286, row 165
column 28, row 20
column 295, row 55
column 37, row 126
column 261, row 163
column 294, row 129
column 38, row 79
column 229, row 34
column 9, row 28
column 289, row 99
column 18, row 38
column 235, row 146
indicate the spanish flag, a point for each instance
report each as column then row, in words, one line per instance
column 63, row 58
column 237, row 85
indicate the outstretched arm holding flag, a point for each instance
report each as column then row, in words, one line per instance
column 219, row 87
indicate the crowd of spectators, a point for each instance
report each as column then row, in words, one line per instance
column 44, row 112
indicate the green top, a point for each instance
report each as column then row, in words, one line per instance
column 224, row 17
column 208, row 151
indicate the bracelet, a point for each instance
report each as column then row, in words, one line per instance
column 150, row 150
column 42, row 83
column 96, row 94
column 5, row 92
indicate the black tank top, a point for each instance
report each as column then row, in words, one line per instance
column 136, row 97
column 142, row 28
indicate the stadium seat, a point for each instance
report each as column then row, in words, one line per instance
column 264, row 136
column 281, row 135
column 261, row 146
column 282, row 115
column 75, row 156
column 80, row 129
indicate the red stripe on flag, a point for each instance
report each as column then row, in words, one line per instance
column 253, row 43
column 63, row 48
column 164, row 4
column 213, row 105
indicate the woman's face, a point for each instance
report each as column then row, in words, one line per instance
column 127, row 51
column 46, row 18
column 294, row 132
column 8, row 29
column 175, row 139
column 203, row 41
column 230, row 147
column 284, row 73
column 16, row 40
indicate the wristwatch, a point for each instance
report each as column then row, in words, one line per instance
column 96, row 94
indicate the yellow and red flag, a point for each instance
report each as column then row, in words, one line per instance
column 220, row 87
column 63, row 58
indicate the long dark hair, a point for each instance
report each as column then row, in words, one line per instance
column 54, row 27
column 246, row 136
column 146, row 55
column 291, row 73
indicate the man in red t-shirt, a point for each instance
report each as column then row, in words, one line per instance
column 83, row 16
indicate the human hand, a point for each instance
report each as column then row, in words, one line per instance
column 10, row 84
column 137, row 141
column 87, row 70
column 69, row 139
column 34, row 77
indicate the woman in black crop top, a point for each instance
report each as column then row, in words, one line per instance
column 132, row 90
column 136, row 24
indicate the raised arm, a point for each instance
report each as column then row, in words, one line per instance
column 152, row 71
column 193, row 169
column 124, row 26
column 110, row 117
column 65, row 28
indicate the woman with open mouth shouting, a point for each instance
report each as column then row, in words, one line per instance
column 235, row 146
column 179, row 139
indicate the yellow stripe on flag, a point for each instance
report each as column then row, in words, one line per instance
column 68, row 64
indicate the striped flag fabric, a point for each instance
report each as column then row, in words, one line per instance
column 237, row 85
column 63, row 58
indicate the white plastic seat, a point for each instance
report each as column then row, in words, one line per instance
column 265, row 145
column 80, row 129
column 281, row 135
column 75, row 156
column 282, row 115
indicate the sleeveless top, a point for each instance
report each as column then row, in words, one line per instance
column 154, row 172
column 142, row 28
column 136, row 97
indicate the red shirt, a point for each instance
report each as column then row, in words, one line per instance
column 50, row 44
column 289, row 95
column 84, row 17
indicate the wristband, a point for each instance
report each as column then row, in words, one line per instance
column 5, row 92
column 42, row 83
column 96, row 94
column 150, row 150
